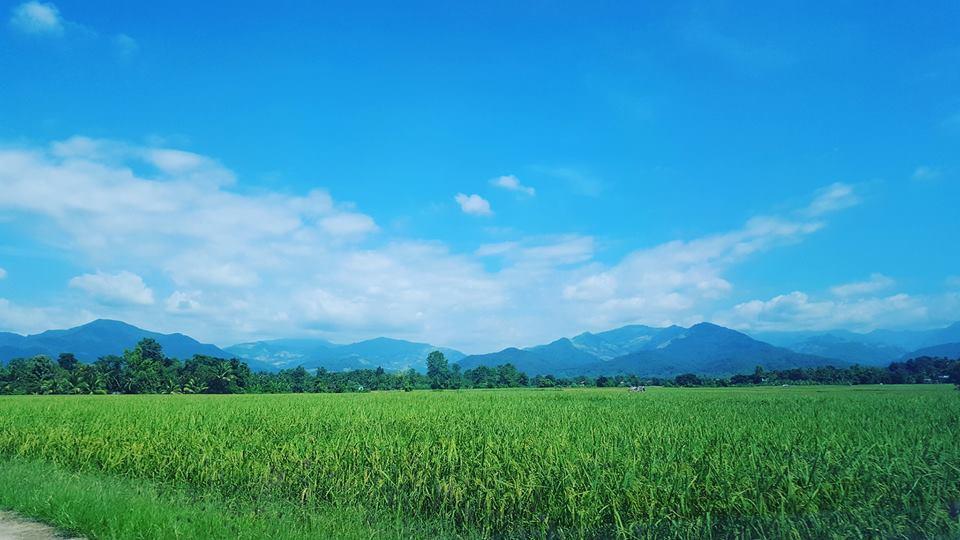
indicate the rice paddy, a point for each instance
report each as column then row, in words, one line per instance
column 734, row 462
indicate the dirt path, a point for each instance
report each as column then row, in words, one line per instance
column 13, row 527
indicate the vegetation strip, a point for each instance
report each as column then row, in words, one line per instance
column 145, row 369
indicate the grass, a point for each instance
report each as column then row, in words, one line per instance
column 102, row 506
column 743, row 462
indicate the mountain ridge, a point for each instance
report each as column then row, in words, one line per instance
column 388, row 353
column 875, row 348
column 703, row 348
column 97, row 338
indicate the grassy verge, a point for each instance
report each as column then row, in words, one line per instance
column 117, row 508
column 105, row 507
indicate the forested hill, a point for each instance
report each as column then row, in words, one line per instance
column 705, row 349
column 101, row 337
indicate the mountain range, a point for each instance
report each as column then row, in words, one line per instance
column 390, row 354
column 878, row 347
column 101, row 337
column 704, row 348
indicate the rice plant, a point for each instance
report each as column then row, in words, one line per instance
column 750, row 462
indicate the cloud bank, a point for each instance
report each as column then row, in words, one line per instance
column 165, row 239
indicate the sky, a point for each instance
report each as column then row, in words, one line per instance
column 478, row 175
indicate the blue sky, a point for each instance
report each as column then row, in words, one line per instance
column 478, row 175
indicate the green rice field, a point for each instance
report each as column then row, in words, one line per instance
column 796, row 462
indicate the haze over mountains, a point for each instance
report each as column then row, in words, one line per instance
column 390, row 354
column 704, row 348
column 878, row 346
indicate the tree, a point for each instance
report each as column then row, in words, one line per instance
column 456, row 377
column 481, row 377
column 205, row 374
column 508, row 376
column 545, row 381
column 438, row 371
column 955, row 374
column 299, row 380
column 112, row 369
column 758, row 375
column 148, row 370
column 687, row 379
column 67, row 361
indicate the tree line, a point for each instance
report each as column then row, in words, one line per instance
column 145, row 369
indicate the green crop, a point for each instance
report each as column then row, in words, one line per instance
column 746, row 462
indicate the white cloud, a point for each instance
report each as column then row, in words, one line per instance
column 348, row 224
column 797, row 311
column 667, row 281
column 271, row 263
column 473, row 204
column 37, row 18
column 512, row 183
column 44, row 19
column 121, row 288
column 836, row 196
column 877, row 282
column 496, row 248
column 183, row 302
column 90, row 190
column 556, row 250
column 231, row 266
column 3, row 273
column 30, row 320
column 177, row 161
column 925, row 173
column 191, row 268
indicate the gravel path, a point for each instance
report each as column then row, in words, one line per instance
column 13, row 527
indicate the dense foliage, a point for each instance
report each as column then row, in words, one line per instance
column 146, row 370
column 757, row 462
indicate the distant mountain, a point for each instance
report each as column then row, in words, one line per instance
column 708, row 349
column 915, row 339
column 878, row 347
column 525, row 360
column 100, row 338
column 391, row 354
column 555, row 358
column 945, row 350
column 829, row 345
column 281, row 353
column 705, row 349
column 625, row 340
